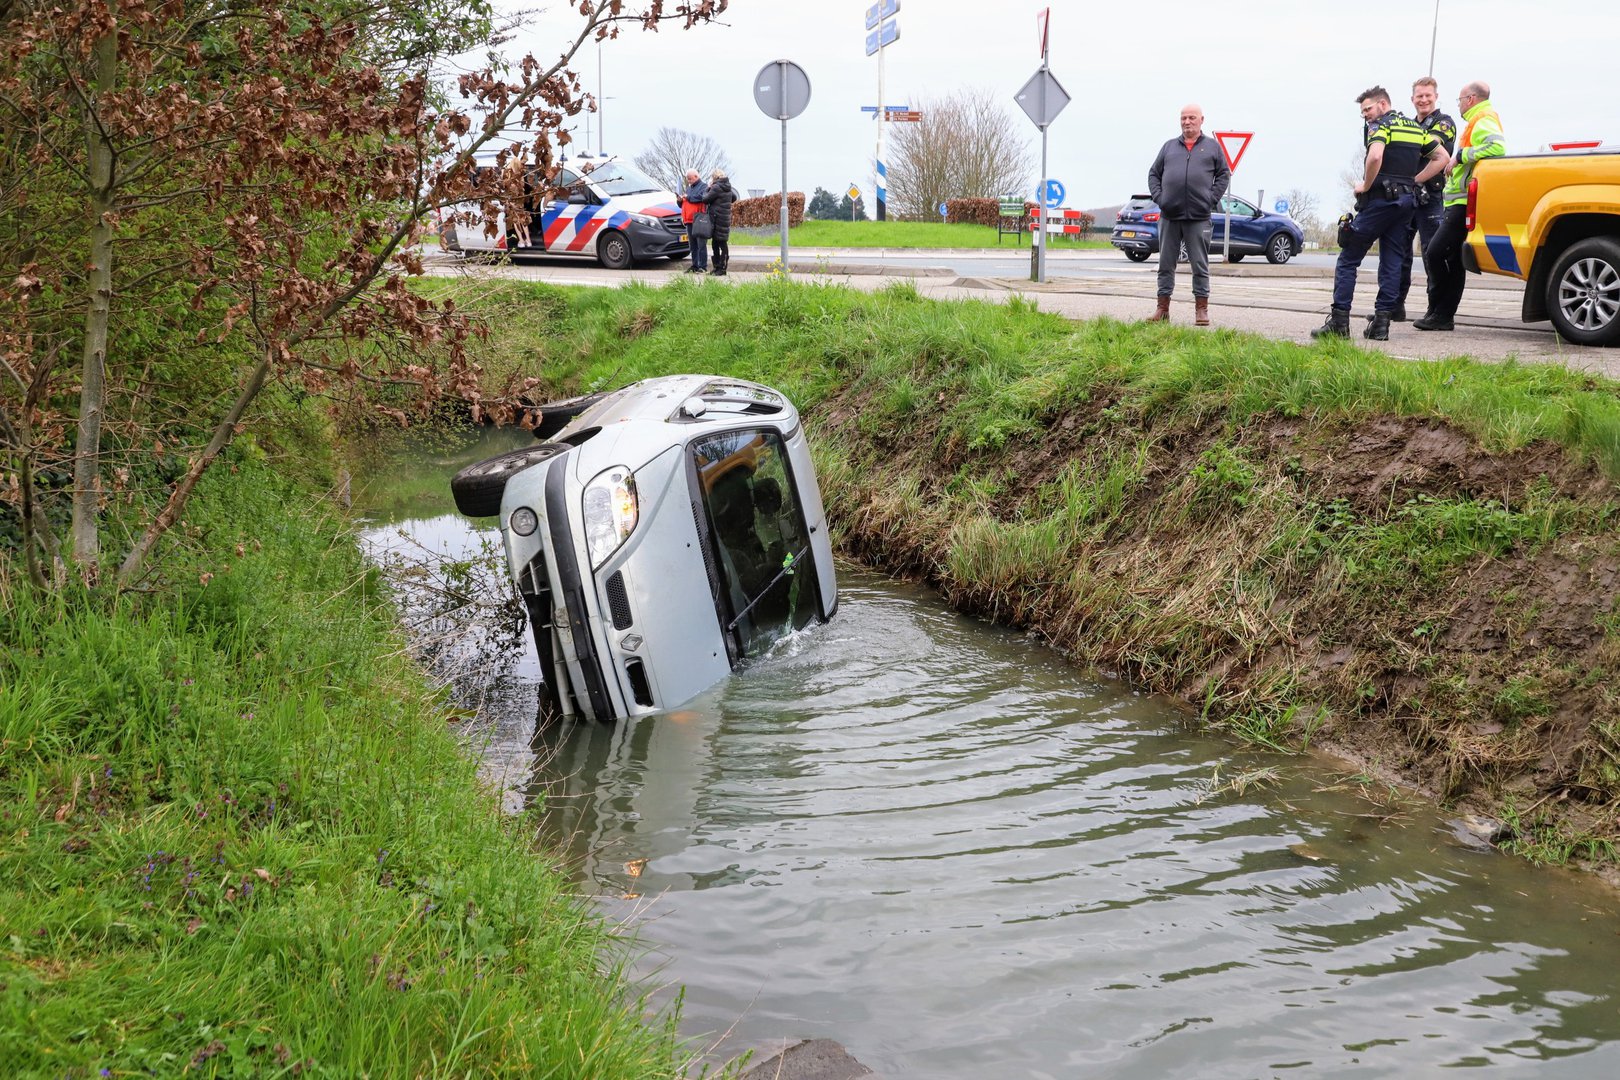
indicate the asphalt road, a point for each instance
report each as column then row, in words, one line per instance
column 1283, row 302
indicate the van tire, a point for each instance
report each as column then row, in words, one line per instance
column 478, row 488
column 613, row 250
column 1583, row 292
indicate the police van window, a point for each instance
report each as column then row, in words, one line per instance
column 758, row 536
column 621, row 178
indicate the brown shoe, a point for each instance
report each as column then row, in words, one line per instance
column 1201, row 310
column 1162, row 314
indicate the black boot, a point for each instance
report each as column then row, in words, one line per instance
column 1399, row 313
column 1431, row 321
column 1337, row 325
column 1377, row 327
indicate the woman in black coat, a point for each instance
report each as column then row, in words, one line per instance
column 719, row 197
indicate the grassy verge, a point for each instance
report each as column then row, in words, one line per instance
column 1414, row 563
column 899, row 234
column 239, row 839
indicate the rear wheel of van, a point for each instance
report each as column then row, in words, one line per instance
column 1583, row 295
column 613, row 251
column 478, row 488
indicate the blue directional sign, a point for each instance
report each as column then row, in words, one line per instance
column 881, row 10
column 887, row 34
column 1282, row 206
column 943, row 210
column 1054, row 194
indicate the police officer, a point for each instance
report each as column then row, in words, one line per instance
column 1400, row 156
column 1430, row 196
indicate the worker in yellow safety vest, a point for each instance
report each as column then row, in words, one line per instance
column 1481, row 138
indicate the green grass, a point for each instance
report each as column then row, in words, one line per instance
column 241, row 839
column 898, row 234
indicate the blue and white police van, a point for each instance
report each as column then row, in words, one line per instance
column 607, row 210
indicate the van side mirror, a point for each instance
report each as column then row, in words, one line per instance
column 577, row 198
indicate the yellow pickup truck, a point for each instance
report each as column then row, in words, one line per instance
column 1554, row 221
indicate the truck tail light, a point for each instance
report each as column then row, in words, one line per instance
column 1469, row 214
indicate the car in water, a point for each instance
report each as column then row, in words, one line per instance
column 1254, row 231
column 660, row 536
column 600, row 208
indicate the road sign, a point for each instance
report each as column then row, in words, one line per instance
column 887, row 34
column 943, row 210
column 1054, row 194
column 1281, row 206
column 781, row 89
column 1241, row 138
column 1042, row 98
column 1042, row 20
column 853, row 192
column 903, row 116
column 881, row 11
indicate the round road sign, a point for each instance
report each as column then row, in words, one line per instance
column 781, row 90
column 1281, row 206
column 1054, row 194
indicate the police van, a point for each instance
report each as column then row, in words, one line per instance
column 600, row 208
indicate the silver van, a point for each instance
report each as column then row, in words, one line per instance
column 661, row 536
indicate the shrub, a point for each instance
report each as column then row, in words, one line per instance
column 766, row 211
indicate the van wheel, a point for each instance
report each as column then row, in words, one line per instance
column 1279, row 249
column 478, row 488
column 1583, row 296
column 614, row 251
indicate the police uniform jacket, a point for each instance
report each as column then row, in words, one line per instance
column 1188, row 184
column 1444, row 129
column 1406, row 144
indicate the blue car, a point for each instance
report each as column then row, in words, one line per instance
column 1254, row 232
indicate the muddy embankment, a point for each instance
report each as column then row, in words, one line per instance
column 1442, row 617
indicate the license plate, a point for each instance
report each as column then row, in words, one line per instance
column 684, row 240
column 1128, row 233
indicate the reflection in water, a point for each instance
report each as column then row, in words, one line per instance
column 942, row 846
column 939, row 845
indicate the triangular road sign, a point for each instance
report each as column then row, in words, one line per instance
column 1231, row 158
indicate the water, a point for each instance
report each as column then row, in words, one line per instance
column 941, row 845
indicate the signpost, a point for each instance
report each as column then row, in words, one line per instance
column 883, row 30
column 1242, row 139
column 1054, row 194
column 1042, row 98
column 944, row 211
column 782, row 90
column 1281, row 206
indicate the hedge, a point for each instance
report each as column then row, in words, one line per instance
column 767, row 210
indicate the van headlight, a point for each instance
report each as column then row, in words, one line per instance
column 645, row 219
column 610, row 512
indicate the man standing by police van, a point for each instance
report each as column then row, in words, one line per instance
column 1400, row 156
column 1481, row 138
column 1431, row 196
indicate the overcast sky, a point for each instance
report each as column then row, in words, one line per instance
column 1288, row 71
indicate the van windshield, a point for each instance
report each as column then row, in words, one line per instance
column 758, row 536
column 622, row 178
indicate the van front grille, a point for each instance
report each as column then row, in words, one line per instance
column 618, row 602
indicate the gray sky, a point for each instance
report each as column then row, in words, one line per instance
column 1288, row 71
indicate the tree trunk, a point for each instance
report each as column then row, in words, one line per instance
column 93, row 390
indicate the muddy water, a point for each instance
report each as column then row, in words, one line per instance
column 941, row 845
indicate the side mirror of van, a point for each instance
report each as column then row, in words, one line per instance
column 577, row 198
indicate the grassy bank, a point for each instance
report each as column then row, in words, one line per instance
column 1414, row 564
column 240, row 838
column 899, row 234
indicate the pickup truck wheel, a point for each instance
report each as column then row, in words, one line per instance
column 1137, row 256
column 614, row 251
column 1279, row 249
column 478, row 488
column 1583, row 295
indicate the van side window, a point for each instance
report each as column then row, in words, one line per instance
column 758, row 536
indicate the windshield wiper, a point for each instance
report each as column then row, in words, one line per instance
column 787, row 568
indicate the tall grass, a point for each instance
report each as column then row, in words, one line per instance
column 241, row 839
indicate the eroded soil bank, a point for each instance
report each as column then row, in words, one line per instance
column 1220, row 577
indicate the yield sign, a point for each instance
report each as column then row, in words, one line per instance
column 1241, row 138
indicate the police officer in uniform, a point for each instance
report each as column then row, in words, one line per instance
column 1430, row 196
column 1400, row 156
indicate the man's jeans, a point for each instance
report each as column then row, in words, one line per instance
column 1425, row 223
column 700, row 249
column 1195, row 234
column 1381, row 220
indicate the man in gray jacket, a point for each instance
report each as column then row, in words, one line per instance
column 1187, row 180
